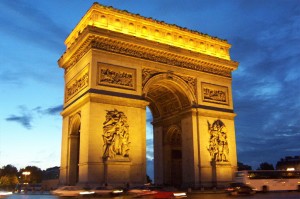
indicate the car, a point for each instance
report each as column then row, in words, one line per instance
column 168, row 192
column 5, row 194
column 106, row 191
column 71, row 191
column 238, row 188
column 140, row 191
column 157, row 192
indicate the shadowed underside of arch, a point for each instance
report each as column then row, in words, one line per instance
column 168, row 95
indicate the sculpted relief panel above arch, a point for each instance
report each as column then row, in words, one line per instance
column 167, row 92
column 148, row 73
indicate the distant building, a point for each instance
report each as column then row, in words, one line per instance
column 289, row 162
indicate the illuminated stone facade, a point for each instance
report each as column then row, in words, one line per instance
column 116, row 64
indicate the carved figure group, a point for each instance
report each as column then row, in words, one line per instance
column 218, row 144
column 115, row 135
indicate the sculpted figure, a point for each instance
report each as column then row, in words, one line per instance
column 115, row 135
column 218, row 144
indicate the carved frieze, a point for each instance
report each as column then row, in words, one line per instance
column 116, row 76
column 74, row 124
column 214, row 93
column 164, row 57
column 115, row 135
column 158, row 56
column 218, row 144
column 191, row 81
column 147, row 73
column 78, row 83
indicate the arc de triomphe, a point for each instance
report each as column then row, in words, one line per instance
column 116, row 64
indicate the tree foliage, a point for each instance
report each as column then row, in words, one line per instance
column 8, row 182
column 149, row 179
column 8, row 170
column 35, row 175
column 8, row 177
column 265, row 166
column 242, row 167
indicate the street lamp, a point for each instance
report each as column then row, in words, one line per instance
column 26, row 173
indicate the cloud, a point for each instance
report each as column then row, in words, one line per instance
column 29, row 33
column 265, row 86
column 258, row 144
column 26, row 116
column 35, row 162
column 24, row 120
column 54, row 110
column 27, row 23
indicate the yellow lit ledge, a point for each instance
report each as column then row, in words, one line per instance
column 138, row 26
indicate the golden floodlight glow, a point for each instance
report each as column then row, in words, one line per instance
column 147, row 28
column 26, row 173
column 290, row 169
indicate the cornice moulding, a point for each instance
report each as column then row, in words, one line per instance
column 135, row 25
column 101, row 39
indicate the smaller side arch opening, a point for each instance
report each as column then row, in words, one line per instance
column 173, row 156
column 74, row 149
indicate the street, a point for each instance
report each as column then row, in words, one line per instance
column 271, row 195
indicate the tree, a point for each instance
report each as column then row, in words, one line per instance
column 8, row 170
column 149, row 179
column 8, row 182
column 8, row 177
column 31, row 174
column 242, row 167
column 265, row 166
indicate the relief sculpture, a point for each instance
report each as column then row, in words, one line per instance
column 76, row 86
column 215, row 93
column 119, row 78
column 218, row 144
column 116, row 76
column 115, row 135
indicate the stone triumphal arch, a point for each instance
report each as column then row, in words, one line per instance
column 116, row 64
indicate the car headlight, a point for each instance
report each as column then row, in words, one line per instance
column 179, row 194
column 117, row 191
column 86, row 192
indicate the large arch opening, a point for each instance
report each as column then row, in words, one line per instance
column 168, row 96
column 74, row 147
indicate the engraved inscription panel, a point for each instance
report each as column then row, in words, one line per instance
column 78, row 83
column 214, row 93
column 116, row 76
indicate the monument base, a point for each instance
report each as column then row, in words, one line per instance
column 117, row 171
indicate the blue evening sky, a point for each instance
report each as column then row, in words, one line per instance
column 265, row 38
